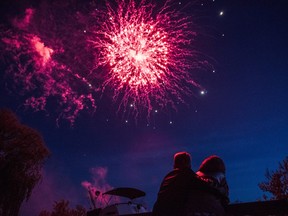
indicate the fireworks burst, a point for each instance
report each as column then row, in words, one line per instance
column 141, row 52
column 148, row 53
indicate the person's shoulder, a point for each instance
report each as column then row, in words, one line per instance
column 173, row 172
column 181, row 172
column 188, row 173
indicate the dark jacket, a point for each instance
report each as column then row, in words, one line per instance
column 175, row 189
column 213, row 202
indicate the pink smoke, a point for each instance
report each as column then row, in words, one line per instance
column 97, row 187
column 22, row 23
column 43, row 51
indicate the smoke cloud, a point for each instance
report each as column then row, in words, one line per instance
column 97, row 187
column 23, row 23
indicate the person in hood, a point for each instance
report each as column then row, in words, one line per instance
column 211, row 171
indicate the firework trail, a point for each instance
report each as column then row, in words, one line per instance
column 147, row 53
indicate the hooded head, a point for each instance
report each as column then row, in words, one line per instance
column 212, row 164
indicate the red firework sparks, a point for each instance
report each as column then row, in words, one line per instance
column 148, row 53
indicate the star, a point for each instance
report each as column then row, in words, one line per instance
column 203, row 92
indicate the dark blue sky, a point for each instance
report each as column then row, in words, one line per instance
column 243, row 118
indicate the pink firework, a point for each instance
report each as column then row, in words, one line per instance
column 148, row 53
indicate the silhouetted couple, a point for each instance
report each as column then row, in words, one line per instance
column 186, row 193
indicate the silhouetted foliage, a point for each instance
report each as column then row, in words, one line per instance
column 277, row 182
column 22, row 153
column 61, row 208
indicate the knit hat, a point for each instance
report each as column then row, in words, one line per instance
column 182, row 160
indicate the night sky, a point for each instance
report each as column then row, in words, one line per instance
column 242, row 118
